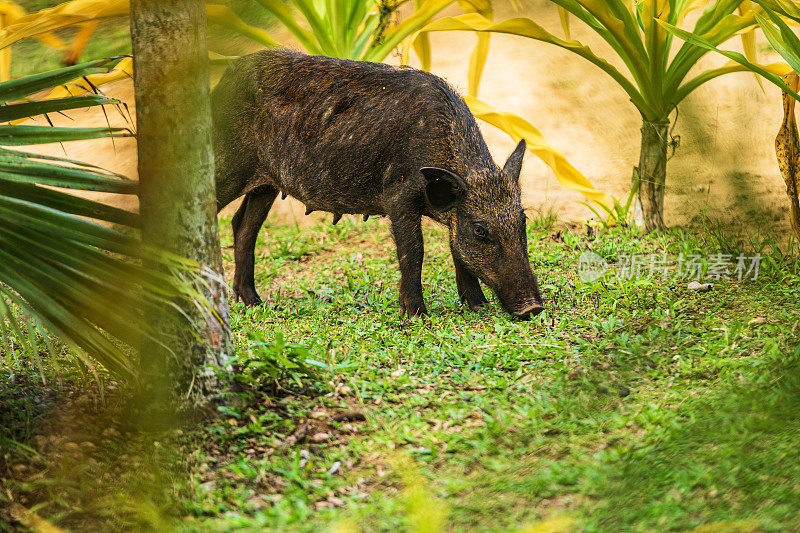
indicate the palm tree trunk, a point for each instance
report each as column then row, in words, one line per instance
column 177, row 196
column 651, row 175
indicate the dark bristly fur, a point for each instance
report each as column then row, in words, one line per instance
column 366, row 138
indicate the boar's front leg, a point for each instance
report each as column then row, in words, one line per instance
column 469, row 289
column 245, row 224
column 407, row 232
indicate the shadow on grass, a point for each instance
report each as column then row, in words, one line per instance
column 735, row 459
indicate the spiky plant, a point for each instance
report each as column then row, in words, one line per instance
column 655, row 79
column 69, row 266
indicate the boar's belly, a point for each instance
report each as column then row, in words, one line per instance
column 326, row 191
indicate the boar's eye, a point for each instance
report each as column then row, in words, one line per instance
column 480, row 231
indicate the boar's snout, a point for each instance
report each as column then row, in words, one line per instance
column 529, row 310
column 520, row 295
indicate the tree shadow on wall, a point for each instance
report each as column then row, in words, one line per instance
column 741, row 199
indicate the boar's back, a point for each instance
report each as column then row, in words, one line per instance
column 336, row 133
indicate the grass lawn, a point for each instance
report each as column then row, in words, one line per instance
column 629, row 405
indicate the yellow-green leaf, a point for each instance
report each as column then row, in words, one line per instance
column 225, row 17
column 10, row 12
column 655, row 37
column 285, row 16
column 394, row 36
column 477, row 60
column 525, row 27
column 422, row 45
column 60, row 16
column 476, row 63
column 519, row 128
column 749, row 41
column 563, row 14
column 689, row 7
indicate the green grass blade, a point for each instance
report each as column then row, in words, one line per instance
column 631, row 196
column 603, row 220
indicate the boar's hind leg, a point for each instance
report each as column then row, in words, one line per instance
column 407, row 231
column 469, row 289
column 245, row 224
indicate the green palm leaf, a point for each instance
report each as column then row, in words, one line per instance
column 735, row 56
column 22, row 87
column 62, row 268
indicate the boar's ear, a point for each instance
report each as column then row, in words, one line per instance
column 513, row 165
column 444, row 189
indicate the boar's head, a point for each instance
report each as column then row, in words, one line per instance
column 487, row 229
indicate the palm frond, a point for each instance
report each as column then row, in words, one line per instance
column 62, row 267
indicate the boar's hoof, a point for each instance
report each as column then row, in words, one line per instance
column 252, row 301
column 413, row 310
column 309, row 210
column 283, row 195
column 366, row 217
column 475, row 302
column 476, row 306
column 336, row 218
column 473, row 297
column 249, row 297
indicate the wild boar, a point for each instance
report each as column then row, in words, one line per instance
column 370, row 139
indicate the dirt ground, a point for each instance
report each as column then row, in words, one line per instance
column 725, row 162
